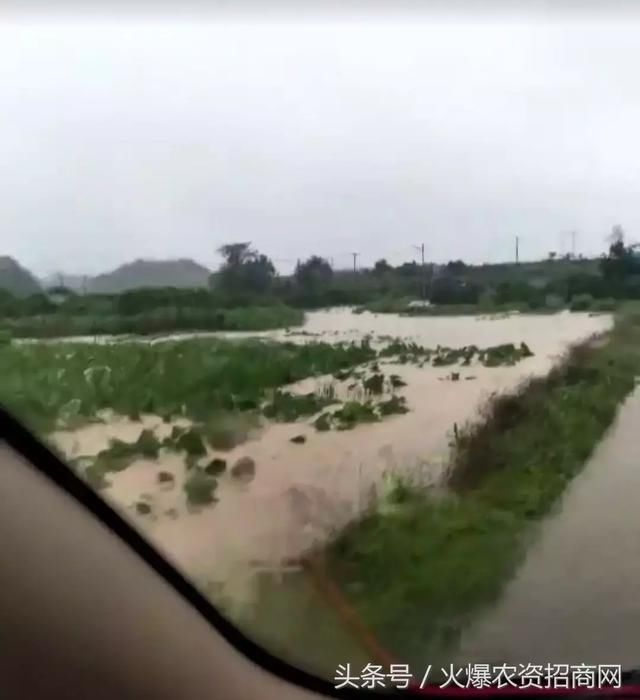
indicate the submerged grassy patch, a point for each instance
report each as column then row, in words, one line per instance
column 285, row 406
column 417, row 573
column 199, row 488
column 195, row 378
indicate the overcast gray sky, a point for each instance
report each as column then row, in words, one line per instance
column 167, row 138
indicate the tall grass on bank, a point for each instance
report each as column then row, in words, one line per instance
column 419, row 573
column 196, row 378
column 161, row 320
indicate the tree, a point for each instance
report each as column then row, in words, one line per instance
column 313, row 274
column 381, row 267
column 244, row 270
column 456, row 266
column 620, row 262
column 552, row 255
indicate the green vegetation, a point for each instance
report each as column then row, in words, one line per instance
column 493, row 356
column 288, row 407
column 393, row 405
column 161, row 320
column 353, row 413
column 197, row 378
column 191, row 442
column 119, row 453
column 199, row 488
column 216, row 467
column 225, row 430
column 247, row 294
column 581, row 302
column 418, row 572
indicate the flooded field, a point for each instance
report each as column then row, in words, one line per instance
column 294, row 495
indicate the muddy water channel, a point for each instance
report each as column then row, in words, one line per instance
column 242, row 550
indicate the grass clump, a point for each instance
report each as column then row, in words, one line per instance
column 393, row 405
column 148, row 444
column 191, row 442
column 142, row 508
column 94, row 475
column 288, row 407
column 224, row 431
column 199, row 488
column 418, row 575
column 374, row 384
column 396, row 381
column 216, row 467
column 323, row 422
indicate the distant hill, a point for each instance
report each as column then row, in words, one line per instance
column 181, row 273
column 16, row 278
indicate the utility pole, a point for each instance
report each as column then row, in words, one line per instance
column 517, row 249
column 424, row 270
column 355, row 257
column 573, row 244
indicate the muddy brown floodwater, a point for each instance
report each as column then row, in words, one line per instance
column 303, row 493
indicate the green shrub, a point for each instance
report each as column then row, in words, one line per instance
column 322, row 423
column 191, row 442
column 374, row 384
column 216, row 467
column 199, row 488
column 581, row 302
column 285, row 406
column 604, row 305
column 224, row 431
column 148, row 444
column 95, row 477
column 353, row 413
column 396, row 404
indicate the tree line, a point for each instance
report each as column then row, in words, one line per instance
column 248, row 277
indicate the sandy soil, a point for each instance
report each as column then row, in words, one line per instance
column 301, row 493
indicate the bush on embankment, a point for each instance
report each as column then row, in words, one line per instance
column 418, row 574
